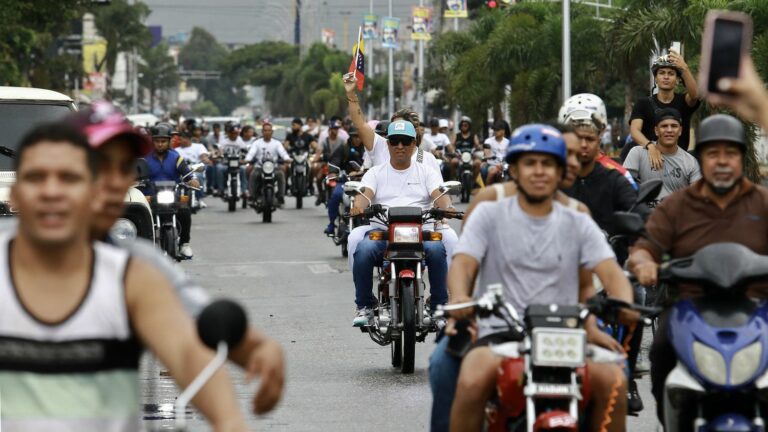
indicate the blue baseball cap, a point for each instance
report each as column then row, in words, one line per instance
column 401, row 127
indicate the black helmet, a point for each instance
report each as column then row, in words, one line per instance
column 434, row 123
column 381, row 128
column 721, row 128
column 162, row 130
column 664, row 62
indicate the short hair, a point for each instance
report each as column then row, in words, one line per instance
column 58, row 132
column 407, row 114
column 216, row 125
column 186, row 135
column 247, row 128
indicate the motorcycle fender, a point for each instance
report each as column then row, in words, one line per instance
column 510, row 382
column 678, row 382
column 555, row 420
column 406, row 274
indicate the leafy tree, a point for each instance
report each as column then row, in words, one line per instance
column 158, row 71
column 203, row 52
column 122, row 26
column 205, row 108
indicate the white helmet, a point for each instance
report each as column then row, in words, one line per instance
column 584, row 108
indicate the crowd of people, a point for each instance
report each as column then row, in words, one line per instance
column 542, row 235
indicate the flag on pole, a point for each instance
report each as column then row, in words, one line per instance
column 358, row 60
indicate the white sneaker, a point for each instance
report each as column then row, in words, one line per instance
column 202, row 204
column 186, row 250
column 362, row 317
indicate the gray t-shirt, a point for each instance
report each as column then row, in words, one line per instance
column 535, row 259
column 680, row 170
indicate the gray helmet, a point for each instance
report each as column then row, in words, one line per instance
column 162, row 130
column 664, row 62
column 721, row 128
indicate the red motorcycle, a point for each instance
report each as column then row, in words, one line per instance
column 543, row 381
column 400, row 320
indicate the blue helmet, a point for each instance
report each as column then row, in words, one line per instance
column 537, row 138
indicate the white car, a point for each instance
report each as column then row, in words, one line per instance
column 22, row 108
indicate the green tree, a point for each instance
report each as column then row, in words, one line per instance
column 203, row 52
column 205, row 108
column 158, row 71
column 122, row 26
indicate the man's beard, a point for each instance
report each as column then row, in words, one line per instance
column 531, row 198
column 722, row 188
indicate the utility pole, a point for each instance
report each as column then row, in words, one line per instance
column 391, row 81
column 297, row 24
column 566, row 49
column 371, row 65
column 420, row 86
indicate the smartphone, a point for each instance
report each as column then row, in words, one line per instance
column 676, row 47
column 727, row 40
column 459, row 344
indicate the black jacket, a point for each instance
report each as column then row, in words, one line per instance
column 604, row 191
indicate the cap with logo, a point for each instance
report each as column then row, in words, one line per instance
column 402, row 128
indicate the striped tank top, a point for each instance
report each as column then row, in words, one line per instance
column 80, row 374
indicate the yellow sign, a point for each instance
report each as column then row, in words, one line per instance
column 93, row 56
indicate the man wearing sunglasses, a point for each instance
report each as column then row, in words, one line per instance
column 397, row 183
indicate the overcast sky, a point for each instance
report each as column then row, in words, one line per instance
column 249, row 21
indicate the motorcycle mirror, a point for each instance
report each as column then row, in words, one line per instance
column 355, row 165
column 649, row 190
column 627, row 223
column 198, row 167
column 352, row 188
column 451, row 187
column 222, row 321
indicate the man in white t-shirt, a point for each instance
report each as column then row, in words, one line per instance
column 495, row 147
column 230, row 145
column 400, row 182
column 194, row 153
column 437, row 143
column 266, row 148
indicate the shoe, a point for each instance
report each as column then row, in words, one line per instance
column 186, row 251
column 634, row 401
column 318, row 201
column 643, row 367
column 362, row 317
column 330, row 229
column 202, row 204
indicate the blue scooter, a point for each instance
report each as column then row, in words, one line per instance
column 720, row 383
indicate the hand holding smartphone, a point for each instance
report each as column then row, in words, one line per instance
column 727, row 41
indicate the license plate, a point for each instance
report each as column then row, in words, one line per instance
column 301, row 169
column 234, row 164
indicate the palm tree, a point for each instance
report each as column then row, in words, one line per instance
column 158, row 71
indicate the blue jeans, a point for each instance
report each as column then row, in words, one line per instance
column 335, row 201
column 211, row 179
column 221, row 171
column 369, row 253
column 443, row 376
column 201, row 179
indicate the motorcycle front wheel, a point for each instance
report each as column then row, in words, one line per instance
column 466, row 190
column 168, row 241
column 232, row 195
column 408, row 308
column 300, row 191
column 396, row 350
column 266, row 214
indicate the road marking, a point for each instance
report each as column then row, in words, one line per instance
column 195, row 263
column 322, row 268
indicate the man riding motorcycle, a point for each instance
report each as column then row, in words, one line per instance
column 721, row 207
column 538, row 248
column 464, row 141
column 397, row 183
column 166, row 164
column 266, row 148
column 342, row 157
column 495, row 147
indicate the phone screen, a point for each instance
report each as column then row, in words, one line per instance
column 726, row 52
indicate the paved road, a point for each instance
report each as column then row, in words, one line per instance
column 296, row 286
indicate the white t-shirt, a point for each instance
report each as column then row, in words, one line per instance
column 261, row 148
column 431, row 142
column 192, row 153
column 498, row 149
column 409, row 187
column 324, row 134
column 380, row 155
column 228, row 146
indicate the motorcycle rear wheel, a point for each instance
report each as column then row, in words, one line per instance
column 408, row 308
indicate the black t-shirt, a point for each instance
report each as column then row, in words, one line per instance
column 465, row 143
column 646, row 107
column 344, row 154
column 299, row 141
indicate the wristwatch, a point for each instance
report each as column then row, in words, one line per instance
column 648, row 143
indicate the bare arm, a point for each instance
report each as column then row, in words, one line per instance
column 616, row 284
column 367, row 134
column 635, row 130
column 161, row 323
column 642, row 264
column 443, row 202
column 260, row 355
column 461, row 278
column 692, row 89
column 362, row 203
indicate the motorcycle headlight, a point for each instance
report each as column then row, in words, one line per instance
column 710, row 363
column 124, row 229
column 234, row 163
column 268, row 167
column 300, row 158
column 559, row 347
column 745, row 363
column 406, row 234
column 166, row 197
column 466, row 157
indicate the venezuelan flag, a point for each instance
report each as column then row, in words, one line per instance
column 358, row 60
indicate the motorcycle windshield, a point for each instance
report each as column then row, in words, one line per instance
column 723, row 266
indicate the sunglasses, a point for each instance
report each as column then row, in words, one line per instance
column 401, row 140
